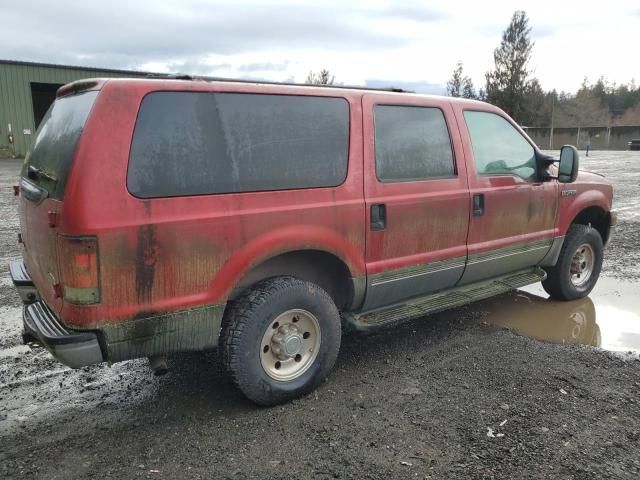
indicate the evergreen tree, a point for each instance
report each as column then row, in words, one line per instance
column 323, row 77
column 460, row 85
column 454, row 86
column 536, row 105
column 467, row 89
column 507, row 83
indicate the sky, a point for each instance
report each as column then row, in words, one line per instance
column 405, row 44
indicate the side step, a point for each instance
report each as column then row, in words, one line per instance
column 420, row 306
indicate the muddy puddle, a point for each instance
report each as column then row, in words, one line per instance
column 609, row 318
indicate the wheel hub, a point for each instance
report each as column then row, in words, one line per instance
column 290, row 344
column 286, row 342
column 578, row 263
column 582, row 264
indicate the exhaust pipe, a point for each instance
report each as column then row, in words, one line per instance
column 158, row 364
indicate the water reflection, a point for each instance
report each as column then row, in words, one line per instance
column 609, row 318
column 543, row 319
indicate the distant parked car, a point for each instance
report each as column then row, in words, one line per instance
column 161, row 216
column 634, row 145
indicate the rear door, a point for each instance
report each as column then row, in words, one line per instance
column 44, row 177
column 416, row 196
column 513, row 211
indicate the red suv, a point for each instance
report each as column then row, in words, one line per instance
column 161, row 216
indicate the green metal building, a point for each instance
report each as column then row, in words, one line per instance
column 26, row 92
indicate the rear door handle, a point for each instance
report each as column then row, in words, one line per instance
column 378, row 216
column 478, row 204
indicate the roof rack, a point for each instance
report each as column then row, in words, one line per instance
column 182, row 76
column 174, row 76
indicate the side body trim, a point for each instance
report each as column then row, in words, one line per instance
column 393, row 285
column 504, row 260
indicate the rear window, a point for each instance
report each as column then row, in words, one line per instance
column 412, row 143
column 191, row 143
column 55, row 142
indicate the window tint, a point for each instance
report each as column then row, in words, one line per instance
column 412, row 143
column 188, row 143
column 498, row 148
column 56, row 140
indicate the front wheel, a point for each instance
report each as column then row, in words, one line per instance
column 579, row 264
column 280, row 339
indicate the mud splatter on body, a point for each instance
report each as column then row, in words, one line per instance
column 147, row 251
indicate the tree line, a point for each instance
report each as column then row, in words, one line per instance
column 511, row 86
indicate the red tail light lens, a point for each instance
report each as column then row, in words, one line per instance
column 79, row 269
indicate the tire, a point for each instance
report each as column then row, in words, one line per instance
column 561, row 283
column 261, row 331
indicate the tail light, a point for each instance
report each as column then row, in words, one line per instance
column 79, row 269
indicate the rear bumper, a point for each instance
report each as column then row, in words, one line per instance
column 75, row 349
column 194, row 329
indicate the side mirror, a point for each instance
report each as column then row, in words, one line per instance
column 569, row 163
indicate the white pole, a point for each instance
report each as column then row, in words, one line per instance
column 578, row 139
column 553, row 104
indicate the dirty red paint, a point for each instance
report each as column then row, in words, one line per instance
column 189, row 251
column 169, row 254
column 515, row 210
column 427, row 221
column 39, row 247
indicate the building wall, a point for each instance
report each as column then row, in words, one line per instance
column 599, row 138
column 16, row 104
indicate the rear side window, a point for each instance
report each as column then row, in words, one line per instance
column 56, row 140
column 188, row 143
column 412, row 143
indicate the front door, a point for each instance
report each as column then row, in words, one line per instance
column 416, row 196
column 513, row 212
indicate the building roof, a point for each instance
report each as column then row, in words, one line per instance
column 75, row 67
column 180, row 76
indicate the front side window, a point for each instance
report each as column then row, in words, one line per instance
column 498, row 148
column 412, row 143
column 193, row 143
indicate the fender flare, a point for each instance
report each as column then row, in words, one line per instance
column 584, row 200
column 274, row 243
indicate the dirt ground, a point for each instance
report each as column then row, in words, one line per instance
column 447, row 396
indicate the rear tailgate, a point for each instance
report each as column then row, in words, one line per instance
column 44, row 176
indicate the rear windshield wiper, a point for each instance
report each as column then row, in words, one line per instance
column 34, row 173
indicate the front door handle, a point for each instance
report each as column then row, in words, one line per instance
column 478, row 204
column 378, row 216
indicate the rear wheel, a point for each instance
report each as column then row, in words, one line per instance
column 579, row 264
column 280, row 339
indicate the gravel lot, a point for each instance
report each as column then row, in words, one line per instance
column 448, row 396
